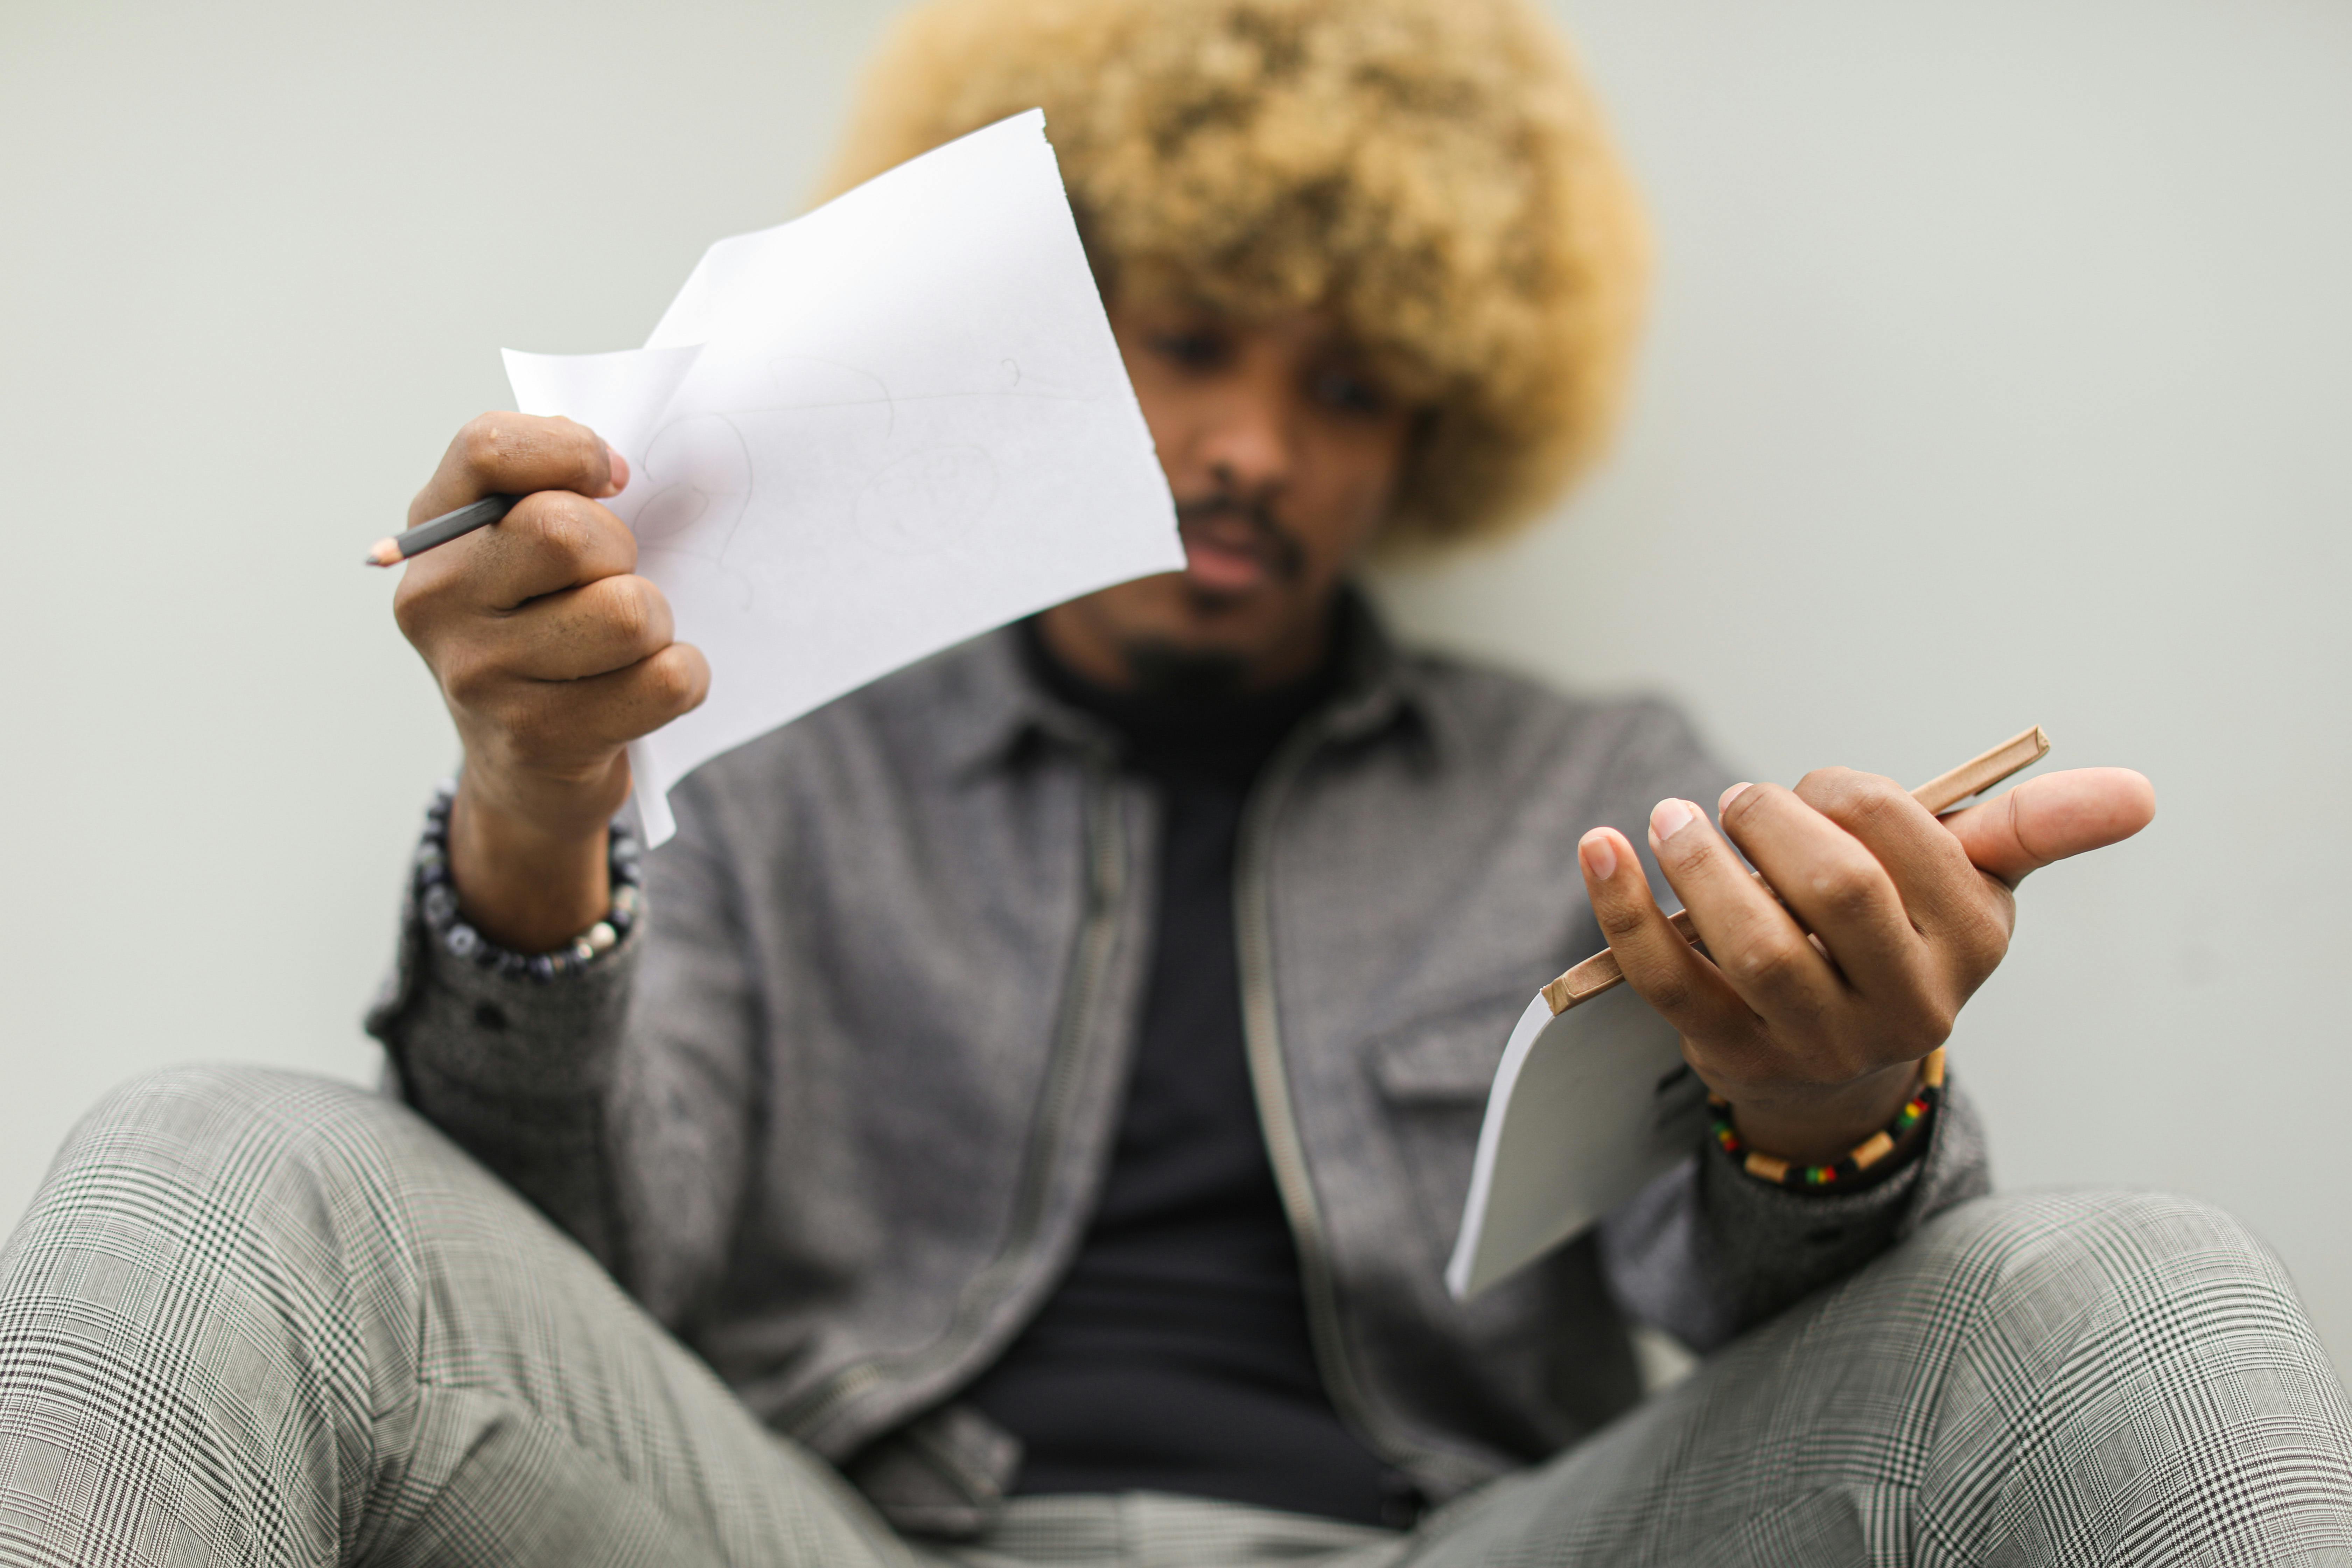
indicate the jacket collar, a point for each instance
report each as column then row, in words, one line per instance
column 992, row 705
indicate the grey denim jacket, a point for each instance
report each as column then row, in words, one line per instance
column 837, row 1110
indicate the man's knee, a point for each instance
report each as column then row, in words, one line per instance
column 2084, row 1241
column 233, row 1092
column 205, row 1111
column 2101, row 1363
column 2106, row 1275
column 172, row 1148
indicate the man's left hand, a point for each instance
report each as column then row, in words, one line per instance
column 1809, row 1013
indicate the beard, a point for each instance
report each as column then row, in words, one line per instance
column 1175, row 671
column 1187, row 675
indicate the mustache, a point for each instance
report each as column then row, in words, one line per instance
column 1282, row 551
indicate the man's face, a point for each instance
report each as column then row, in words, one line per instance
column 1283, row 452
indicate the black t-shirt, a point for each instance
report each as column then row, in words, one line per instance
column 1174, row 1355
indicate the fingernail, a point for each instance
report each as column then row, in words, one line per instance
column 1669, row 817
column 1599, row 854
column 620, row 470
column 1728, row 796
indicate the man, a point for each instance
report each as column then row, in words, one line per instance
column 1041, row 1085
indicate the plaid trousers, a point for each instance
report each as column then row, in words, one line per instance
column 253, row 1318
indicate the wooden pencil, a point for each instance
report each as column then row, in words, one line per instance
column 399, row 547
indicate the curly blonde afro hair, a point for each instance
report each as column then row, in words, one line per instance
column 1434, row 173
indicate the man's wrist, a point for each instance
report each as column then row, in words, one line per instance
column 1822, row 1128
column 521, row 883
column 450, row 928
column 1888, row 1149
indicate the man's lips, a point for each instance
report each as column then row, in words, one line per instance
column 1224, row 555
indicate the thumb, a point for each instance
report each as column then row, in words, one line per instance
column 2054, row 817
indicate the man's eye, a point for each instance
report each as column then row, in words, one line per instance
column 1350, row 392
column 1200, row 351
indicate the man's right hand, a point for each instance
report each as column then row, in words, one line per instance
column 553, row 655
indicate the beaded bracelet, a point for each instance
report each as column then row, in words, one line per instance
column 437, row 902
column 1864, row 1155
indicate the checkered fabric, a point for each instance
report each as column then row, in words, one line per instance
column 253, row 1319
column 259, row 1319
column 2065, row 1379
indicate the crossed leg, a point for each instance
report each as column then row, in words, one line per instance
column 2082, row 1378
column 257, row 1318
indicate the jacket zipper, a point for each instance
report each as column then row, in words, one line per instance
column 1262, row 1037
column 1098, row 933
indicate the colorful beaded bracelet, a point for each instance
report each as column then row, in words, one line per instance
column 1864, row 1155
column 436, row 900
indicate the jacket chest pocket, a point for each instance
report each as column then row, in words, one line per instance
column 1433, row 1079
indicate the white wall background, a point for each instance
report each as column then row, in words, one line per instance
column 2002, row 374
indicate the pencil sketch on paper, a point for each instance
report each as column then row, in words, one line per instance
column 825, row 426
column 869, row 434
column 696, row 477
column 931, row 500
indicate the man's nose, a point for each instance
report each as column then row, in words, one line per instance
column 1252, row 446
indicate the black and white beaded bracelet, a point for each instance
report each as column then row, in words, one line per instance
column 436, row 900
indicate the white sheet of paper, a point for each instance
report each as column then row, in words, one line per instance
column 869, row 434
column 1588, row 1107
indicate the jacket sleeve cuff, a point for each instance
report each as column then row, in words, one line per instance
column 1773, row 1245
column 1707, row 1251
column 458, row 1011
